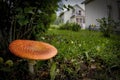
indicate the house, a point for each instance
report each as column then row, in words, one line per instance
column 74, row 15
column 96, row 9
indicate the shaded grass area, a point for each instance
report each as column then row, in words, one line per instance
column 83, row 55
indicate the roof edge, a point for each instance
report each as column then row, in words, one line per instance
column 87, row 1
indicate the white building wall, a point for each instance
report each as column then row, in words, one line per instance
column 94, row 10
column 67, row 15
column 73, row 16
column 82, row 11
column 115, row 14
column 98, row 9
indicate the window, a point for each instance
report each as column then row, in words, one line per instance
column 79, row 13
column 79, row 20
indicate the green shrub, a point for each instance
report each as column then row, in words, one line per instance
column 107, row 26
column 70, row 26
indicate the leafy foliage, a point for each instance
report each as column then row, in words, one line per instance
column 53, row 71
column 24, row 19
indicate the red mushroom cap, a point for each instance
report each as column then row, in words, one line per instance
column 30, row 49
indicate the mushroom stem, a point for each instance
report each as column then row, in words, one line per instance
column 31, row 64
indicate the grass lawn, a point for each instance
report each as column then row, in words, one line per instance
column 85, row 54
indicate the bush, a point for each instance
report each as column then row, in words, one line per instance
column 70, row 26
column 107, row 26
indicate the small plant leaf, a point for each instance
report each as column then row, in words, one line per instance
column 53, row 71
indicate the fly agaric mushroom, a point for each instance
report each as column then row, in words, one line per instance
column 32, row 50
